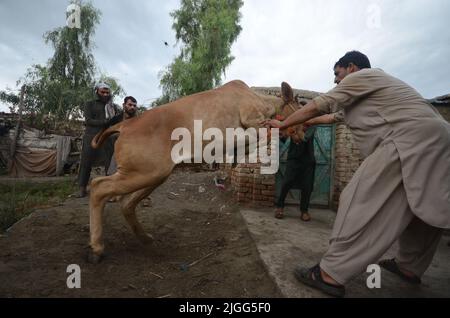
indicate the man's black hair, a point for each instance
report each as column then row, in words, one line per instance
column 130, row 97
column 355, row 57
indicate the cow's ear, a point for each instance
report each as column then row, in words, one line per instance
column 286, row 92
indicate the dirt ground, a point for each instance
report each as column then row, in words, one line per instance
column 202, row 248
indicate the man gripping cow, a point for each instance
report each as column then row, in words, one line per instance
column 401, row 191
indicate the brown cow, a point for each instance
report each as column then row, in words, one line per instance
column 143, row 149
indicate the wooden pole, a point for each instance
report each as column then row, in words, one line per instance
column 16, row 130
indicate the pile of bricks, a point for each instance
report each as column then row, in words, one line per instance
column 251, row 187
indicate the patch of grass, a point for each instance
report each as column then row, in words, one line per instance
column 18, row 199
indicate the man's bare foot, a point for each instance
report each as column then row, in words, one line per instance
column 328, row 279
column 279, row 214
column 407, row 272
column 305, row 217
column 392, row 266
column 316, row 278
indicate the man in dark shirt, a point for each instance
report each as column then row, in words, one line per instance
column 129, row 111
column 299, row 174
column 99, row 114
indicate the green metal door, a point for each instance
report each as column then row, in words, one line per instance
column 324, row 153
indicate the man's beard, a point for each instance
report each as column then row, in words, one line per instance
column 130, row 112
column 104, row 99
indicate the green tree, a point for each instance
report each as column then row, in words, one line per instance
column 9, row 98
column 61, row 87
column 72, row 60
column 207, row 29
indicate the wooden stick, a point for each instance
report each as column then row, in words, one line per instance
column 201, row 259
column 16, row 130
column 159, row 276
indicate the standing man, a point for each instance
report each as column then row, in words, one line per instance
column 99, row 114
column 402, row 189
column 299, row 174
column 129, row 111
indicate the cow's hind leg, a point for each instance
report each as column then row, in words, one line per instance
column 102, row 189
column 128, row 207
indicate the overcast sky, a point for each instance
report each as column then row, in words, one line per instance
column 297, row 41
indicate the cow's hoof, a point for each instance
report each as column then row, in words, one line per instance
column 94, row 258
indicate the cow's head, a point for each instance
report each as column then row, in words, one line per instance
column 290, row 105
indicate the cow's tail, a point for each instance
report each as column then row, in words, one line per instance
column 101, row 136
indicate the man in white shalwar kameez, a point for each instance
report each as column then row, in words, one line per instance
column 400, row 192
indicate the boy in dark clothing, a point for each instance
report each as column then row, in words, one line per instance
column 299, row 174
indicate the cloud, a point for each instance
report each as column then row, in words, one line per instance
column 299, row 41
column 129, row 40
column 291, row 40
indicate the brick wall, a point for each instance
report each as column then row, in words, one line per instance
column 251, row 187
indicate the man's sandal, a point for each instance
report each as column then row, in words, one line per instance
column 313, row 278
column 279, row 214
column 392, row 266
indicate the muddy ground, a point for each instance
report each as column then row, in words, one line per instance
column 202, row 248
